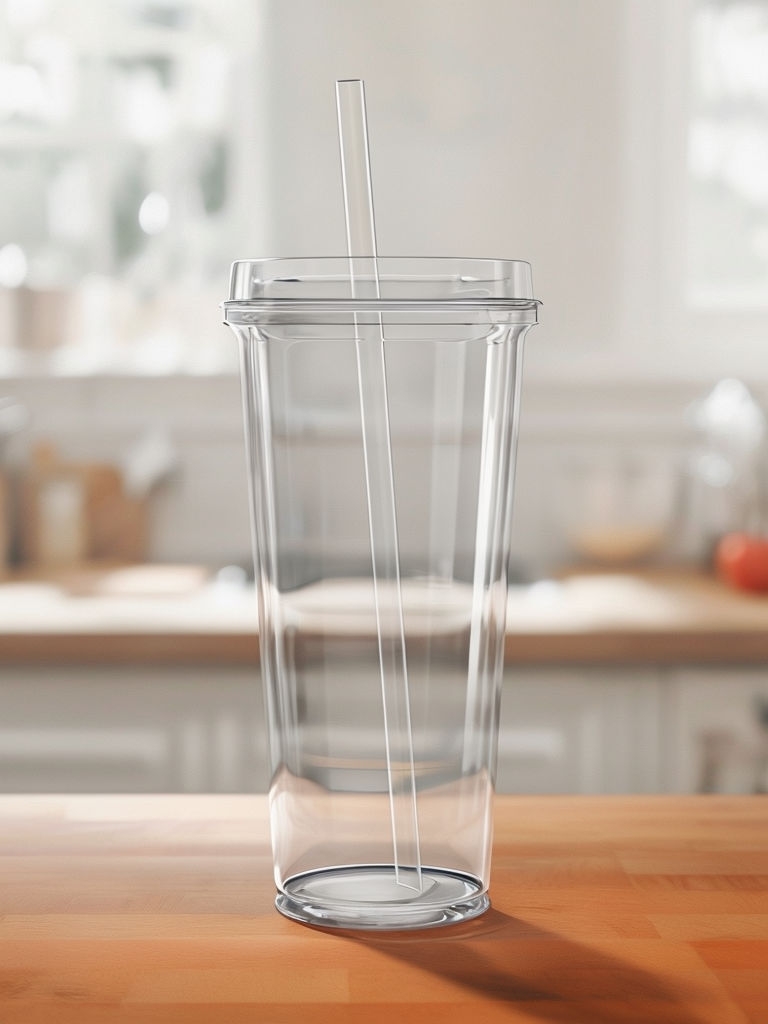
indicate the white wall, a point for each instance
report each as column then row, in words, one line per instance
column 496, row 129
column 550, row 130
column 201, row 514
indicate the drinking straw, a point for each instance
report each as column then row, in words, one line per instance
column 379, row 480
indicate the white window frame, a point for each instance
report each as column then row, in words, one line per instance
column 700, row 342
column 658, row 338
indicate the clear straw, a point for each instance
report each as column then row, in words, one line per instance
column 379, row 481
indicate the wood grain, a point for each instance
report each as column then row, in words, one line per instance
column 605, row 909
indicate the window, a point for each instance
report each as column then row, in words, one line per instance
column 135, row 164
column 694, row 211
column 728, row 156
column 121, row 175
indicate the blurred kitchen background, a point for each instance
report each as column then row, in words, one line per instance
column 619, row 145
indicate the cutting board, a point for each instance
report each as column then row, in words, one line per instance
column 116, row 523
column 109, row 524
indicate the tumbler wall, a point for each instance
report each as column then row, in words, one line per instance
column 453, row 392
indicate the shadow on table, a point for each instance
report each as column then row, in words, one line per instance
column 558, row 980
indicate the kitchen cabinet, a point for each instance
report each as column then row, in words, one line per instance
column 202, row 729
column 716, row 730
column 113, row 729
column 682, row 730
column 562, row 729
column 579, row 731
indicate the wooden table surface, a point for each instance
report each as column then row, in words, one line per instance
column 605, row 909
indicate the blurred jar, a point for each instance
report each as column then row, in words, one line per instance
column 621, row 508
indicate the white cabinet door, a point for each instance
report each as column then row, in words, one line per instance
column 132, row 730
column 563, row 730
column 715, row 723
column 579, row 731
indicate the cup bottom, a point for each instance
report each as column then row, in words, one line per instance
column 369, row 896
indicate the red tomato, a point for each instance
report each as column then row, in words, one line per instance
column 741, row 559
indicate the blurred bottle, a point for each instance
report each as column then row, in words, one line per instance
column 13, row 417
column 53, row 514
column 723, row 482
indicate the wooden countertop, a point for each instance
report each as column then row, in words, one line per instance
column 652, row 617
column 132, row 615
column 604, row 909
column 660, row 616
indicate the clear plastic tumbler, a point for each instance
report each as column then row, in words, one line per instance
column 381, row 820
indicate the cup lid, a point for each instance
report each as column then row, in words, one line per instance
column 360, row 289
column 385, row 279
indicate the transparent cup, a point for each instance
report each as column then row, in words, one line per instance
column 451, row 333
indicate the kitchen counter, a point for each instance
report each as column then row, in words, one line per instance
column 176, row 615
column 658, row 616
column 604, row 909
column 153, row 614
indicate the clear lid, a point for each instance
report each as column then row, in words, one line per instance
column 401, row 290
column 388, row 284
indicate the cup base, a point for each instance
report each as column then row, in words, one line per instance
column 371, row 897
